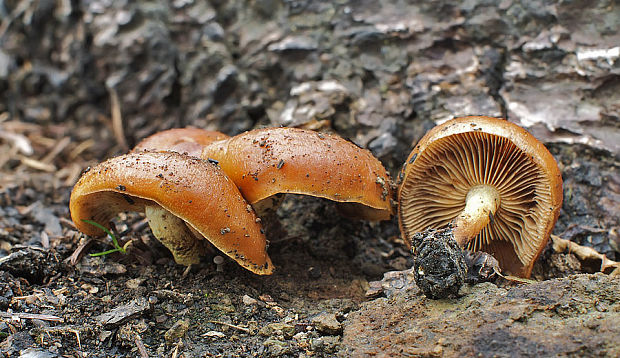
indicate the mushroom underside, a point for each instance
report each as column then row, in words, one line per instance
column 451, row 166
column 187, row 199
column 185, row 244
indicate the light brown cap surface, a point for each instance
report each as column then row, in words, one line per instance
column 194, row 190
column 269, row 161
column 182, row 140
column 464, row 152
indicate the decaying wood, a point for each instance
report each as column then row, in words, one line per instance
column 585, row 253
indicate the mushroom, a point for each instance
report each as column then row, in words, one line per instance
column 186, row 199
column 183, row 140
column 266, row 162
column 496, row 187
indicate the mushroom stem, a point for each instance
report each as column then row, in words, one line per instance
column 175, row 235
column 481, row 204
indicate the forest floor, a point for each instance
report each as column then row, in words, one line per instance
column 56, row 300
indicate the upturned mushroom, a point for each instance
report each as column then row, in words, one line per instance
column 491, row 183
column 187, row 200
column 266, row 162
column 183, row 140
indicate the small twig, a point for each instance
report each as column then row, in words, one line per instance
column 38, row 165
column 17, row 12
column 19, row 141
column 243, row 329
column 72, row 174
column 80, row 251
column 141, row 347
column 139, row 225
column 77, row 334
column 21, row 315
column 45, row 240
column 585, row 253
column 58, row 148
column 117, row 118
column 515, row 278
column 67, row 223
column 64, row 329
column 175, row 352
column 81, row 148
column 186, row 271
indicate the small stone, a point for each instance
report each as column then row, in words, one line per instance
column 36, row 353
column 438, row 350
column 214, row 334
column 276, row 347
column 325, row 344
column 327, row 324
column 161, row 318
column 178, row 330
column 134, row 283
column 314, row 272
column 247, row 300
column 104, row 335
column 278, row 329
column 46, row 216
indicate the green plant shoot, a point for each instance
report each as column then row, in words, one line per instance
column 117, row 247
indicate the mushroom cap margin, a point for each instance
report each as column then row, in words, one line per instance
column 269, row 161
column 192, row 189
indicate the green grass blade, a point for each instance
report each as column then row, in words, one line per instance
column 117, row 247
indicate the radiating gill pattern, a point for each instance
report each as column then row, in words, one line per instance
column 452, row 165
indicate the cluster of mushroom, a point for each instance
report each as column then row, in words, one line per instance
column 478, row 183
column 194, row 184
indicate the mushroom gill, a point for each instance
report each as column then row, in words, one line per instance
column 452, row 167
column 487, row 181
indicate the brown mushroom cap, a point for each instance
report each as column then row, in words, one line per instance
column 266, row 162
column 190, row 140
column 471, row 152
column 193, row 190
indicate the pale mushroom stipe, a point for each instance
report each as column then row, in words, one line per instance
column 491, row 184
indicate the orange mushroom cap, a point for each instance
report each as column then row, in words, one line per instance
column 479, row 152
column 189, row 140
column 193, row 190
column 265, row 162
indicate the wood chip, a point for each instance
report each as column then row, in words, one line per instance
column 38, row 165
column 21, row 315
column 123, row 313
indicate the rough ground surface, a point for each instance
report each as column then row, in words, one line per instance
column 81, row 81
column 574, row 316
